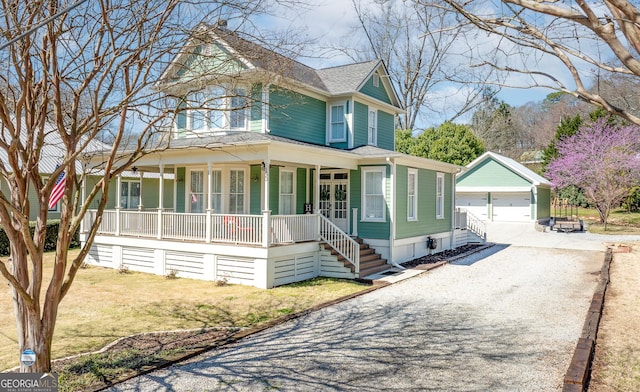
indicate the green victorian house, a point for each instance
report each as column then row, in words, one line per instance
column 279, row 173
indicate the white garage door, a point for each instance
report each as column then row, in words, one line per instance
column 511, row 207
column 475, row 203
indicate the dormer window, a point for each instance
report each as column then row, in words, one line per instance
column 376, row 80
column 217, row 109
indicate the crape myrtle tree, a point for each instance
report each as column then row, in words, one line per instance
column 603, row 160
column 568, row 46
column 69, row 72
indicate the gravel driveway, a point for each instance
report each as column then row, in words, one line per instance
column 506, row 318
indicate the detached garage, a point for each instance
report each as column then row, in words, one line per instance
column 500, row 189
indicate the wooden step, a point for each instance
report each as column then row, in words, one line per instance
column 373, row 270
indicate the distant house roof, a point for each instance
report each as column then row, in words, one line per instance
column 53, row 149
column 516, row 167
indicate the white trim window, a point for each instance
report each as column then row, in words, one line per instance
column 376, row 80
column 196, row 192
column 216, row 109
column 216, row 191
column 440, row 196
column 372, row 127
column 338, row 123
column 287, row 197
column 373, row 200
column 412, row 195
column 129, row 194
column 237, row 191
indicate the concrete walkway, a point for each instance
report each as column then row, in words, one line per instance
column 503, row 319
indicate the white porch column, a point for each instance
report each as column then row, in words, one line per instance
column 83, row 195
column 161, row 188
column 316, row 200
column 118, row 202
column 140, row 206
column 265, row 168
column 160, row 200
column 207, row 224
column 266, row 212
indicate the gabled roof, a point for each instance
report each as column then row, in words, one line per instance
column 514, row 166
column 333, row 81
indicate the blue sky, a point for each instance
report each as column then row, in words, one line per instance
column 330, row 22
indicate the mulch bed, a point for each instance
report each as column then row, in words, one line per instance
column 441, row 256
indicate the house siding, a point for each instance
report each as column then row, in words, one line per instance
column 255, row 190
column 255, row 119
column 180, row 189
column 543, row 204
column 491, row 173
column 372, row 230
column 296, row 116
column 386, row 130
column 427, row 222
column 301, row 189
column 360, row 124
column 379, row 92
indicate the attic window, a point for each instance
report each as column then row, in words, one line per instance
column 376, row 80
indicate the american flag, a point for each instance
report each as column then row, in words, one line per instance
column 58, row 190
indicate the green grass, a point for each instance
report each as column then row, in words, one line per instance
column 620, row 221
column 104, row 305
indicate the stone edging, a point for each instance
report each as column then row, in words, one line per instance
column 579, row 372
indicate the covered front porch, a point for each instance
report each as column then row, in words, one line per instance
column 230, row 248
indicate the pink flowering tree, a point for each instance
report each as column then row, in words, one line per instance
column 603, row 160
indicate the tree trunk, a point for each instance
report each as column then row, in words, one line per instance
column 33, row 333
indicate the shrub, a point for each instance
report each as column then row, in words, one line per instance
column 50, row 240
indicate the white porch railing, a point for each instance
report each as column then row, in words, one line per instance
column 346, row 246
column 466, row 220
column 294, row 228
column 236, row 229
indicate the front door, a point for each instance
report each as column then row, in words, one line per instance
column 334, row 200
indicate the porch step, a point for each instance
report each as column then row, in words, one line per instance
column 370, row 261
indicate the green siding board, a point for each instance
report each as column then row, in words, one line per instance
column 274, row 192
column 360, row 124
column 375, row 230
column 301, row 189
column 218, row 61
column 296, row 116
column 427, row 222
column 386, row 130
column 379, row 92
column 544, row 203
column 180, row 189
column 255, row 188
column 255, row 120
column 491, row 173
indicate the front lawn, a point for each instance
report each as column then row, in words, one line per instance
column 620, row 221
column 104, row 305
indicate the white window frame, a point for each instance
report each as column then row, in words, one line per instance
column 201, row 194
column 332, row 121
column 365, row 213
column 245, row 188
column 291, row 195
column 216, row 179
column 376, row 80
column 412, row 197
column 372, row 127
column 440, row 195
column 217, row 101
column 128, row 196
